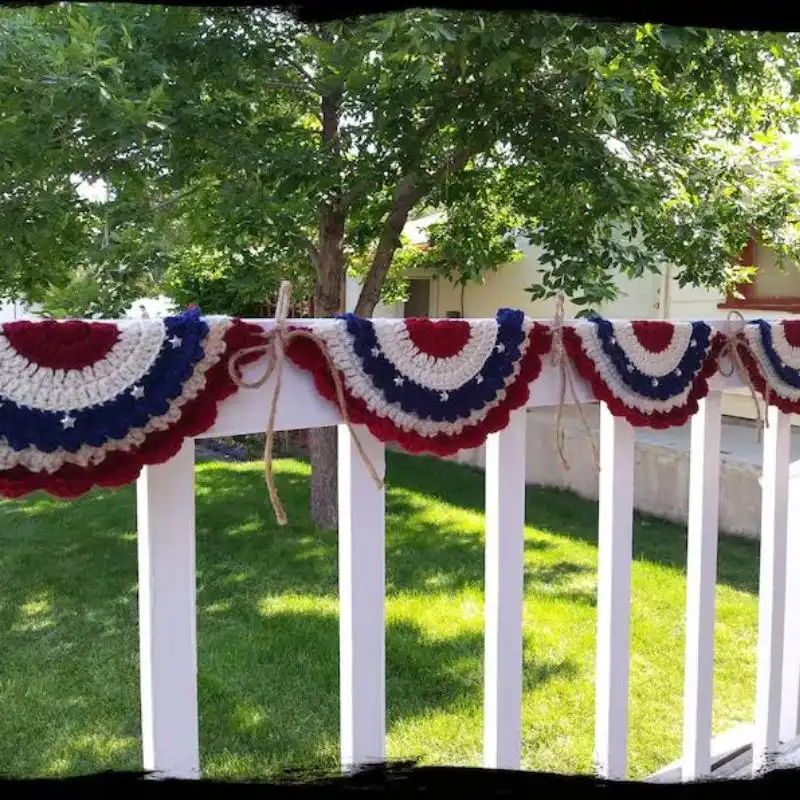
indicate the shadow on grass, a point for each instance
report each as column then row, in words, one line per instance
column 290, row 714
column 267, row 631
column 564, row 514
column 267, row 622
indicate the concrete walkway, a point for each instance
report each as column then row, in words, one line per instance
column 739, row 437
column 739, row 440
column 662, row 466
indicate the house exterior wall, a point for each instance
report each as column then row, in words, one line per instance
column 10, row 311
column 154, row 306
column 507, row 287
column 772, row 281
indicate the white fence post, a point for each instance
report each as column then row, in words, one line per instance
column 167, row 616
column 614, row 557
column 790, row 689
column 772, row 586
column 701, row 586
column 361, row 601
column 505, row 529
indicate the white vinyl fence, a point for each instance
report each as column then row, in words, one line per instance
column 166, row 529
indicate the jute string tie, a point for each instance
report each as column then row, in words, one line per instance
column 560, row 359
column 730, row 363
column 273, row 348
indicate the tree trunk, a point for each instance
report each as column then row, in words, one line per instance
column 328, row 301
column 324, row 453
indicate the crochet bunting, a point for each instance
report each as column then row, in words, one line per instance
column 770, row 351
column 86, row 404
column 428, row 386
column 652, row 373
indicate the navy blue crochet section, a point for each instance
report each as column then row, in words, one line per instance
column 787, row 374
column 428, row 403
column 641, row 383
column 25, row 427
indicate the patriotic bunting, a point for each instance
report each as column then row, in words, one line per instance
column 770, row 352
column 652, row 373
column 86, row 404
column 428, row 386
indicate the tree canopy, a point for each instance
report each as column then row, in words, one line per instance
column 236, row 147
column 240, row 146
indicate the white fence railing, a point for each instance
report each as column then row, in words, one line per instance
column 167, row 587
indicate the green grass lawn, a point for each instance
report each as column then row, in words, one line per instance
column 268, row 630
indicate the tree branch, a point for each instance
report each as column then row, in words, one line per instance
column 355, row 191
column 313, row 253
column 329, row 291
column 176, row 197
column 455, row 163
column 407, row 193
column 288, row 86
column 310, row 249
column 304, row 76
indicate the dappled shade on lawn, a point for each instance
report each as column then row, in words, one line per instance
column 268, row 628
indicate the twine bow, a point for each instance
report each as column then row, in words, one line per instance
column 560, row 359
column 730, row 352
column 276, row 340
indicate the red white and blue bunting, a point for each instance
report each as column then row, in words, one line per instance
column 86, row 404
column 652, row 373
column 770, row 352
column 428, row 386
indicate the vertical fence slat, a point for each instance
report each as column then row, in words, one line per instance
column 361, row 601
column 772, row 586
column 505, row 528
column 701, row 584
column 790, row 689
column 167, row 616
column 615, row 546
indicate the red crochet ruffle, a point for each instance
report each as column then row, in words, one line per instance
column 123, row 467
column 307, row 355
column 67, row 344
column 600, row 391
column 760, row 383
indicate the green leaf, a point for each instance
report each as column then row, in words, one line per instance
column 670, row 38
column 597, row 55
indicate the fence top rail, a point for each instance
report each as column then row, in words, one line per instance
column 300, row 406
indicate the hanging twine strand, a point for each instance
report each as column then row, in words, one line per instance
column 730, row 353
column 560, row 360
column 273, row 348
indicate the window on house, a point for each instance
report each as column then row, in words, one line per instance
column 419, row 299
column 774, row 288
